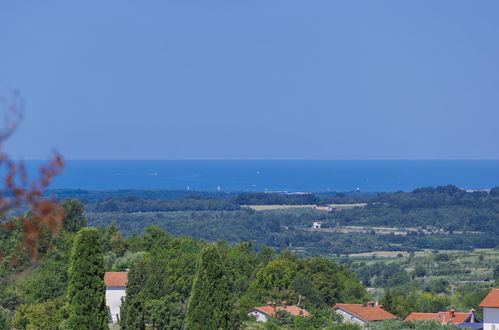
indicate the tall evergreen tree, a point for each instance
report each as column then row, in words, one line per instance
column 387, row 302
column 86, row 291
column 210, row 305
column 132, row 309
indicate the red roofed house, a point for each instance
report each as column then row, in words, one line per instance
column 262, row 313
column 361, row 314
column 490, row 305
column 115, row 289
column 446, row 317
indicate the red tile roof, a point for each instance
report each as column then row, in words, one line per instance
column 115, row 278
column 293, row 310
column 365, row 313
column 444, row 317
column 491, row 300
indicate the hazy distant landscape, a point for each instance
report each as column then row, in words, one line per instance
column 427, row 218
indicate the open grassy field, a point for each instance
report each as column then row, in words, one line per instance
column 347, row 206
column 383, row 254
column 276, row 207
column 284, row 207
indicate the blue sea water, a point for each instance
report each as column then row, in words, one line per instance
column 275, row 175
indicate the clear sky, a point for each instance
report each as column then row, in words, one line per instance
column 259, row 79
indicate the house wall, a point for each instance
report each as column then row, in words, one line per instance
column 491, row 319
column 260, row 317
column 113, row 300
column 349, row 317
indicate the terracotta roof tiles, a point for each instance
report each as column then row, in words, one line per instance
column 115, row 278
column 365, row 312
column 491, row 300
column 444, row 317
column 293, row 310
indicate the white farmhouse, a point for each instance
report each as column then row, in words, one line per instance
column 316, row 225
column 115, row 289
column 490, row 305
column 264, row 312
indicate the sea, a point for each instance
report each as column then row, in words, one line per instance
column 274, row 175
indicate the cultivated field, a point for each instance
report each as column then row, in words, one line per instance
column 276, row 207
column 283, row 207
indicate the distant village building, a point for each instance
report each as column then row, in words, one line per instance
column 316, row 225
column 323, row 207
column 115, row 289
column 263, row 313
column 468, row 320
column 361, row 314
column 490, row 305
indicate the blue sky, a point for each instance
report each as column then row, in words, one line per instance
column 255, row 79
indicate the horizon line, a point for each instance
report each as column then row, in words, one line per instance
column 266, row 159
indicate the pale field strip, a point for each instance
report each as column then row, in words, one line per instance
column 389, row 230
column 490, row 253
column 346, row 206
column 276, row 207
column 283, row 207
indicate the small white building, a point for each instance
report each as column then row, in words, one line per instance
column 490, row 305
column 264, row 312
column 115, row 289
column 361, row 314
column 328, row 208
column 316, row 225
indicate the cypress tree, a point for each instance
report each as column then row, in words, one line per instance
column 86, row 306
column 132, row 309
column 210, row 305
column 387, row 302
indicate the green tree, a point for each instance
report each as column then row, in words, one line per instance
column 496, row 273
column 5, row 317
column 419, row 271
column 132, row 309
column 46, row 315
column 86, row 304
column 74, row 219
column 113, row 241
column 165, row 313
column 210, row 305
column 387, row 302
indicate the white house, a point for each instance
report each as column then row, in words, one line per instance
column 262, row 313
column 328, row 208
column 316, row 225
column 115, row 289
column 361, row 314
column 490, row 305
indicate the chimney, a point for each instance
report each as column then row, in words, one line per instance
column 284, row 304
column 473, row 317
column 452, row 313
column 370, row 304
